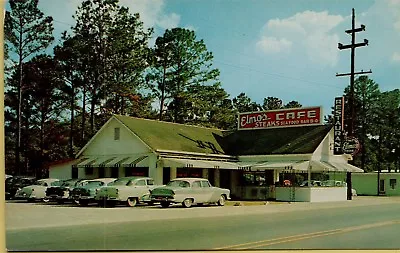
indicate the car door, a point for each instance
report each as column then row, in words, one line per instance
column 208, row 192
column 141, row 187
column 197, row 192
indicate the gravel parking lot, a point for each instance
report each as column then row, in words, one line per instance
column 22, row 215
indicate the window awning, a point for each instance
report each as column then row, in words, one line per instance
column 334, row 166
column 205, row 164
column 135, row 161
column 277, row 165
column 113, row 161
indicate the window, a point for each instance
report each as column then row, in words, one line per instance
column 392, row 183
column 196, row 184
column 150, row 182
column 141, row 182
column 116, row 133
column 205, row 184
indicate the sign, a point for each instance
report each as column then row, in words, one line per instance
column 351, row 146
column 292, row 117
column 338, row 116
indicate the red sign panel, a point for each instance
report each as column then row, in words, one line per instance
column 281, row 118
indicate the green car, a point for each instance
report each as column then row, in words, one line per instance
column 83, row 195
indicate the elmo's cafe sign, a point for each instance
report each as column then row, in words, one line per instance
column 305, row 116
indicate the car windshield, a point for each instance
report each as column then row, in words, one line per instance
column 40, row 182
column 56, row 183
column 68, row 183
column 95, row 183
column 122, row 181
column 178, row 183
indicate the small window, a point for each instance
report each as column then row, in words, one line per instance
column 392, row 183
column 140, row 182
column 116, row 133
column 196, row 184
column 205, row 184
column 150, row 182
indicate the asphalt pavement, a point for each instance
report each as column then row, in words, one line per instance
column 363, row 223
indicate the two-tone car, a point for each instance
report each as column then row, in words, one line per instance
column 125, row 190
column 189, row 191
column 61, row 194
column 37, row 191
column 84, row 195
column 13, row 184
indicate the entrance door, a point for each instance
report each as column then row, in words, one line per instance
column 382, row 186
column 74, row 172
column 225, row 179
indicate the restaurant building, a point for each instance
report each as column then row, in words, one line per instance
column 253, row 164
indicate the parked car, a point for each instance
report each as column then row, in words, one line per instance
column 13, row 184
column 336, row 183
column 313, row 183
column 189, row 191
column 83, row 195
column 61, row 194
column 127, row 190
column 37, row 191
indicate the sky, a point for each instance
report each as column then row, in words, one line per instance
column 285, row 49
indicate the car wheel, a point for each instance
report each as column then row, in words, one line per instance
column 221, row 200
column 83, row 202
column 131, row 202
column 31, row 200
column 76, row 201
column 60, row 201
column 187, row 203
column 101, row 203
column 46, row 200
column 150, row 203
column 165, row 204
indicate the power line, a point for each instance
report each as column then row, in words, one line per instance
column 276, row 75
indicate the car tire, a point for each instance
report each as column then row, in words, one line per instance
column 83, row 202
column 46, row 200
column 221, row 200
column 131, row 202
column 187, row 203
column 31, row 200
column 101, row 203
column 164, row 204
column 60, row 201
column 150, row 203
column 76, row 201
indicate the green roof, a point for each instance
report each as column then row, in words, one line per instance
column 290, row 140
column 163, row 135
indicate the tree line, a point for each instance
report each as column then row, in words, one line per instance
column 57, row 97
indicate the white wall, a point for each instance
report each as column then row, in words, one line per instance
column 61, row 171
column 313, row 194
column 104, row 143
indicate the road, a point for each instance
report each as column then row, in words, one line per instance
column 364, row 223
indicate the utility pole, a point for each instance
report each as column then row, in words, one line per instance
column 353, row 46
column 350, row 122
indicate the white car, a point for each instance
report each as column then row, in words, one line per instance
column 127, row 190
column 38, row 190
column 189, row 191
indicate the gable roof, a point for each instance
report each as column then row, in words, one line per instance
column 290, row 140
column 161, row 135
